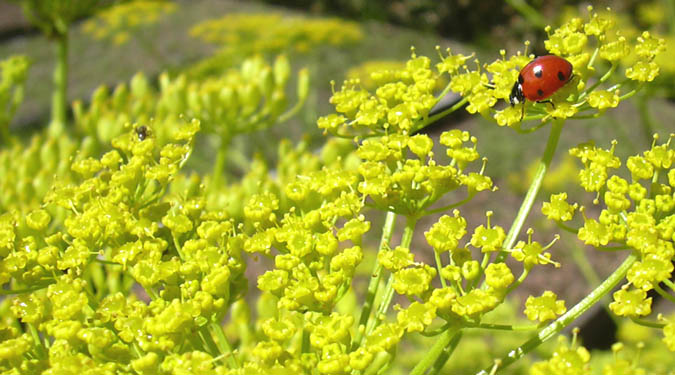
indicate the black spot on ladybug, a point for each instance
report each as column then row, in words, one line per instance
column 561, row 76
column 538, row 73
column 540, row 92
column 520, row 78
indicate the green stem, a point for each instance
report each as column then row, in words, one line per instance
column 669, row 284
column 439, row 115
column 39, row 344
column 520, row 280
column 439, row 267
column 375, row 277
column 291, row 112
column 388, row 293
column 602, row 79
column 559, row 324
column 113, row 280
column 223, row 345
column 567, row 228
column 504, row 327
column 529, row 13
column 7, row 292
column 219, row 165
column 176, row 244
column 445, row 354
column 663, row 293
column 209, row 342
column 647, row 323
column 60, row 89
column 450, row 206
column 436, row 351
column 528, row 202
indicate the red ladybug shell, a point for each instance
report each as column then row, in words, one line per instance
column 541, row 78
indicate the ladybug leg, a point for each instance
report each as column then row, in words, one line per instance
column 548, row 101
column 522, row 112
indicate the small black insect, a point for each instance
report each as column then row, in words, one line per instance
column 142, row 132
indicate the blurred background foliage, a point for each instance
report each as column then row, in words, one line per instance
column 161, row 63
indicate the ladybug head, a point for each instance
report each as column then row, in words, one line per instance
column 517, row 95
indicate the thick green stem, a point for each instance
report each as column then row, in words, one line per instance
column 219, row 165
column 445, row 354
column 375, row 277
column 558, row 325
column 531, row 195
column 388, row 293
column 39, row 344
column 436, row 351
column 60, row 89
column 224, row 347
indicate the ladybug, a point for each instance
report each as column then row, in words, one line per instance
column 539, row 79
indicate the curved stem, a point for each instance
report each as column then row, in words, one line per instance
column 528, row 202
column 422, row 124
column 291, row 112
column 567, row 228
column 443, row 341
column 576, row 311
column 602, row 79
column 663, row 293
column 534, row 128
column 375, row 277
column 450, row 206
column 647, row 323
column 669, row 284
column 520, row 280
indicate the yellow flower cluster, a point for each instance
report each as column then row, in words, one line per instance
column 118, row 22
column 243, row 33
